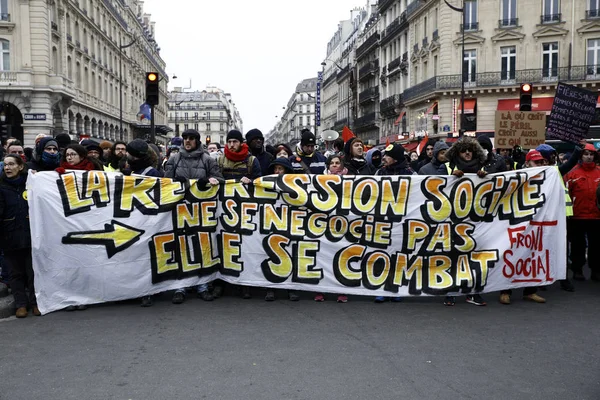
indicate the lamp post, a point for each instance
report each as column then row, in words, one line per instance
column 462, row 80
column 348, row 97
column 121, row 47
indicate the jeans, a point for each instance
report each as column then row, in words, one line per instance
column 203, row 287
column 21, row 279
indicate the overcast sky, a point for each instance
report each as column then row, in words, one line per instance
column 256, row 50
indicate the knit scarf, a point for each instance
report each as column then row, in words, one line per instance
column 469, row 167
column 300, row 153
column 84, row 165
column 239, row 156
column 16, row 182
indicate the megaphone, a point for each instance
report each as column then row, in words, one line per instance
column 329, row 135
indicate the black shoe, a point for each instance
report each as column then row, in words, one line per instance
column 293, row 296
column 178, row 298
column 71, row 308
column 476, row 300
column 246, row 293
column 578, row 276
column 449, row 301
column 146, row 301
column 217, row 292
column 270, row 296
column 81, row 307
column 567, row 286
column 205, row 295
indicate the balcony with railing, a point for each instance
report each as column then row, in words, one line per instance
column 389, row 104
column 550, row 18
column 499, row 79
column 339, row 124
column 592, row 14
column 425, row 42
column 365, row 121
column 8, row 76
column 5, row 17
column 368, row 70
column 384, row 5
column 54, row 26
column 393, row 64
column 69, row 38
column 367, row 44
column 508, row 22
column 470, row 26
column 369, row 94
column 436, row 35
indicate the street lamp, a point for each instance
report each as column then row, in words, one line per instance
column 462, row 80
column 348, row 97
column 121, row 47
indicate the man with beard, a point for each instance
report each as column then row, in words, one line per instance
column 256, row 141
column 119, row 150
column 354, row 159
column 192, row 162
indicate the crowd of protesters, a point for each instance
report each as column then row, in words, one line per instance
column 247, row 158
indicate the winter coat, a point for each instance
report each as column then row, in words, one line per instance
column 264, row 159
column 359, row 168
column 14, row 215
column 435, row 167
column 231, row 169
column 494, row 163
column 315, row 163
column 582, row 182
column 196, row 164
column 399, row 168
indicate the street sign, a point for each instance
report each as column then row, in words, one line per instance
column 34, row 117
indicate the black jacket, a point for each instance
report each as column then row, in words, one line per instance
column 14, row 216
column 359, row 168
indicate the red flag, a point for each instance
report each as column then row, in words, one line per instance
column 347, row 134
column 422, row 144
column 387, row 142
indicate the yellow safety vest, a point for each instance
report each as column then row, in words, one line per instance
column 568, row 201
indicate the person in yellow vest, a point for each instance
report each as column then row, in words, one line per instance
column 532, row 159
column 466, row 156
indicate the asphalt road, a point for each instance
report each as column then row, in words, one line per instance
column 249, row 349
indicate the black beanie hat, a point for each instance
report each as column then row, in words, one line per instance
column 63, row 140
column 236, row 135
column 191, row 133
column 307, row 138
column 396, row 151
column 137, row 148
column 485, row 142
column 253, row 134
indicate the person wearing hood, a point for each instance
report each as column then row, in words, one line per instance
column 395, row 162
column 46, row 156
column 15, row 233
column 307, row 156
column 582, row 182
column 466, row 156
column 373, row 158
column 494, row 162
column 354, row 158
column 256, row 144
column 426, row 156
column 191, row 162
column 106, row 147
column 140, row 160
column 437, row 166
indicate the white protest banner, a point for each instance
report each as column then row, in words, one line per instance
column 101, row 237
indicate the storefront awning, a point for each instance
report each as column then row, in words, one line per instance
column 537, row 104
column 469, row 106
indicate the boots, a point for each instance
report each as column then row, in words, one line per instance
column 21, row 312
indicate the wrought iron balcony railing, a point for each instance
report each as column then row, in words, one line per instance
column 367, row 44
column 370, row 68
column 389, row 104
column 508, row 22
column 368, row 94
column 470, row 26
column 5, row 17
column 365, row 120
column 394, row 64
column 591, row 14
column 550, row 18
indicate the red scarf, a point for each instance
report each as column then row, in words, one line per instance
column 84, row 165
column 239, row 156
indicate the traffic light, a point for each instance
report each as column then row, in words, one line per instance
column 152, row 92
column 526, row 97
column 207, row 140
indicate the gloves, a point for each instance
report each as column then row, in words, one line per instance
column 180, row 179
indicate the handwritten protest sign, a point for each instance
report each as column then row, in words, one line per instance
column 519, row 128
column 100, row 237
column 572, row 113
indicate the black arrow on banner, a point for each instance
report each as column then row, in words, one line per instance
column 116, row 236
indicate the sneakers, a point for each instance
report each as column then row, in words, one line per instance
column 293, row 296
column 82, row 307
column 536, row 298
column 71, row 308
column 270, row 296
column 342, row 298
column 178, row 298
column 146, row 301
column 36, row 311
column 449, row 301
column 379, row 299
column 567, row 286
column 21, row 312
column 504, row 298
column 205, row 295
column 319, row 297
column 476, row 300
